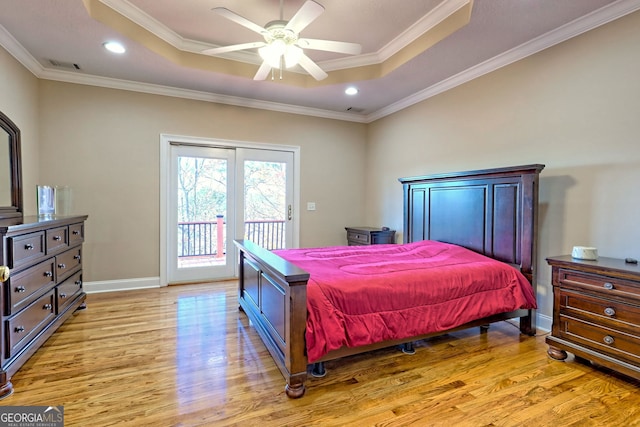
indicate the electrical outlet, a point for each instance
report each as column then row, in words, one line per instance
column 311, row 206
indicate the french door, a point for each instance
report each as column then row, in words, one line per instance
column 266, row 202
column 216, row 191
column 201, row 213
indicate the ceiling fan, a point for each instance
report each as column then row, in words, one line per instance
column 282, row 42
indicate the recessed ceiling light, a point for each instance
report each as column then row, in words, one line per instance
column 114, row 47
column 351, row 90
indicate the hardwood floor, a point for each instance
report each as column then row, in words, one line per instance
column 185, row 356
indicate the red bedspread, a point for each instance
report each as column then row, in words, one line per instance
column 359, row 295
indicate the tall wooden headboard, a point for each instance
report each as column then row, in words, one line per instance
column 492, row 211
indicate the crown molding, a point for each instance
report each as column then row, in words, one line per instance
column 16, row 50
column 572, row 29
column 157, row 28
column 420, row 27
column 110, row 83
column 438, row 14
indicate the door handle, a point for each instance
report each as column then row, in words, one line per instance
column 289, row 213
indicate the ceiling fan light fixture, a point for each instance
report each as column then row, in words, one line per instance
column 273, row 52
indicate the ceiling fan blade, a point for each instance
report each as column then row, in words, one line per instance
column 233, row 48
column 263, row 71
column 331, row 46
column 312, row 68
column 309, row 11
column 232, row 16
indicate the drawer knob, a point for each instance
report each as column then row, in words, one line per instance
column 4, row 273
column 28, row 247
column 48, row 274
column 20, row 289
column 63, row 295
column 18, row 329
column 608, row 339
column 57, row 238
column 47, row 307
column 78, row 282
column 62, row 266
column 75, row 232
column 609, row 311
column 76, row 257
column 608, row 285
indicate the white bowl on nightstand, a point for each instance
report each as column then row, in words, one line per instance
column 585, row 253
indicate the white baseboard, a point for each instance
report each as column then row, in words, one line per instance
column 121, row 285
column 544, row 322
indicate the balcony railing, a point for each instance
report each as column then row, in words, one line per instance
column 204, row 238
column 267, row 233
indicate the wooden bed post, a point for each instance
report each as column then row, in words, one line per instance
column 296, row 353
column 529, row 249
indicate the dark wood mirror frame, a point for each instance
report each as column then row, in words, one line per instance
column 16, row 208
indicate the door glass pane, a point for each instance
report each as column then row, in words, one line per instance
column 265, row 203
column 202, row 209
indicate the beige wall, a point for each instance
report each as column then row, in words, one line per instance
column 19, row 102
column 104, row 144
column 574, row 107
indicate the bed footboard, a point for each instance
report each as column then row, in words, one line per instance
column 273, row 294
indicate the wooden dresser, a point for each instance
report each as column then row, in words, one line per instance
column 44, row 288
column 596, row 312
column 369, row 236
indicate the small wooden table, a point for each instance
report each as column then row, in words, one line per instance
column 369, row 236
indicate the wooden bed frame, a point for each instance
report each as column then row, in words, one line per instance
column 493, row 212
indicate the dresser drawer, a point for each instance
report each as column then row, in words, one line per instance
column 67, row 291
column 25, row 249
column 57, row 239
column 383, row 237
column 604, row 340
column 24, row 286
column 598, row 310
column 358, row 238
column 605, row 286
column 76, row 234
column 23, row 327
column 68, row 263
column 369, row 236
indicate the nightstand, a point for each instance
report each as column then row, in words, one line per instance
column 596, row 312
column 369, row 236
